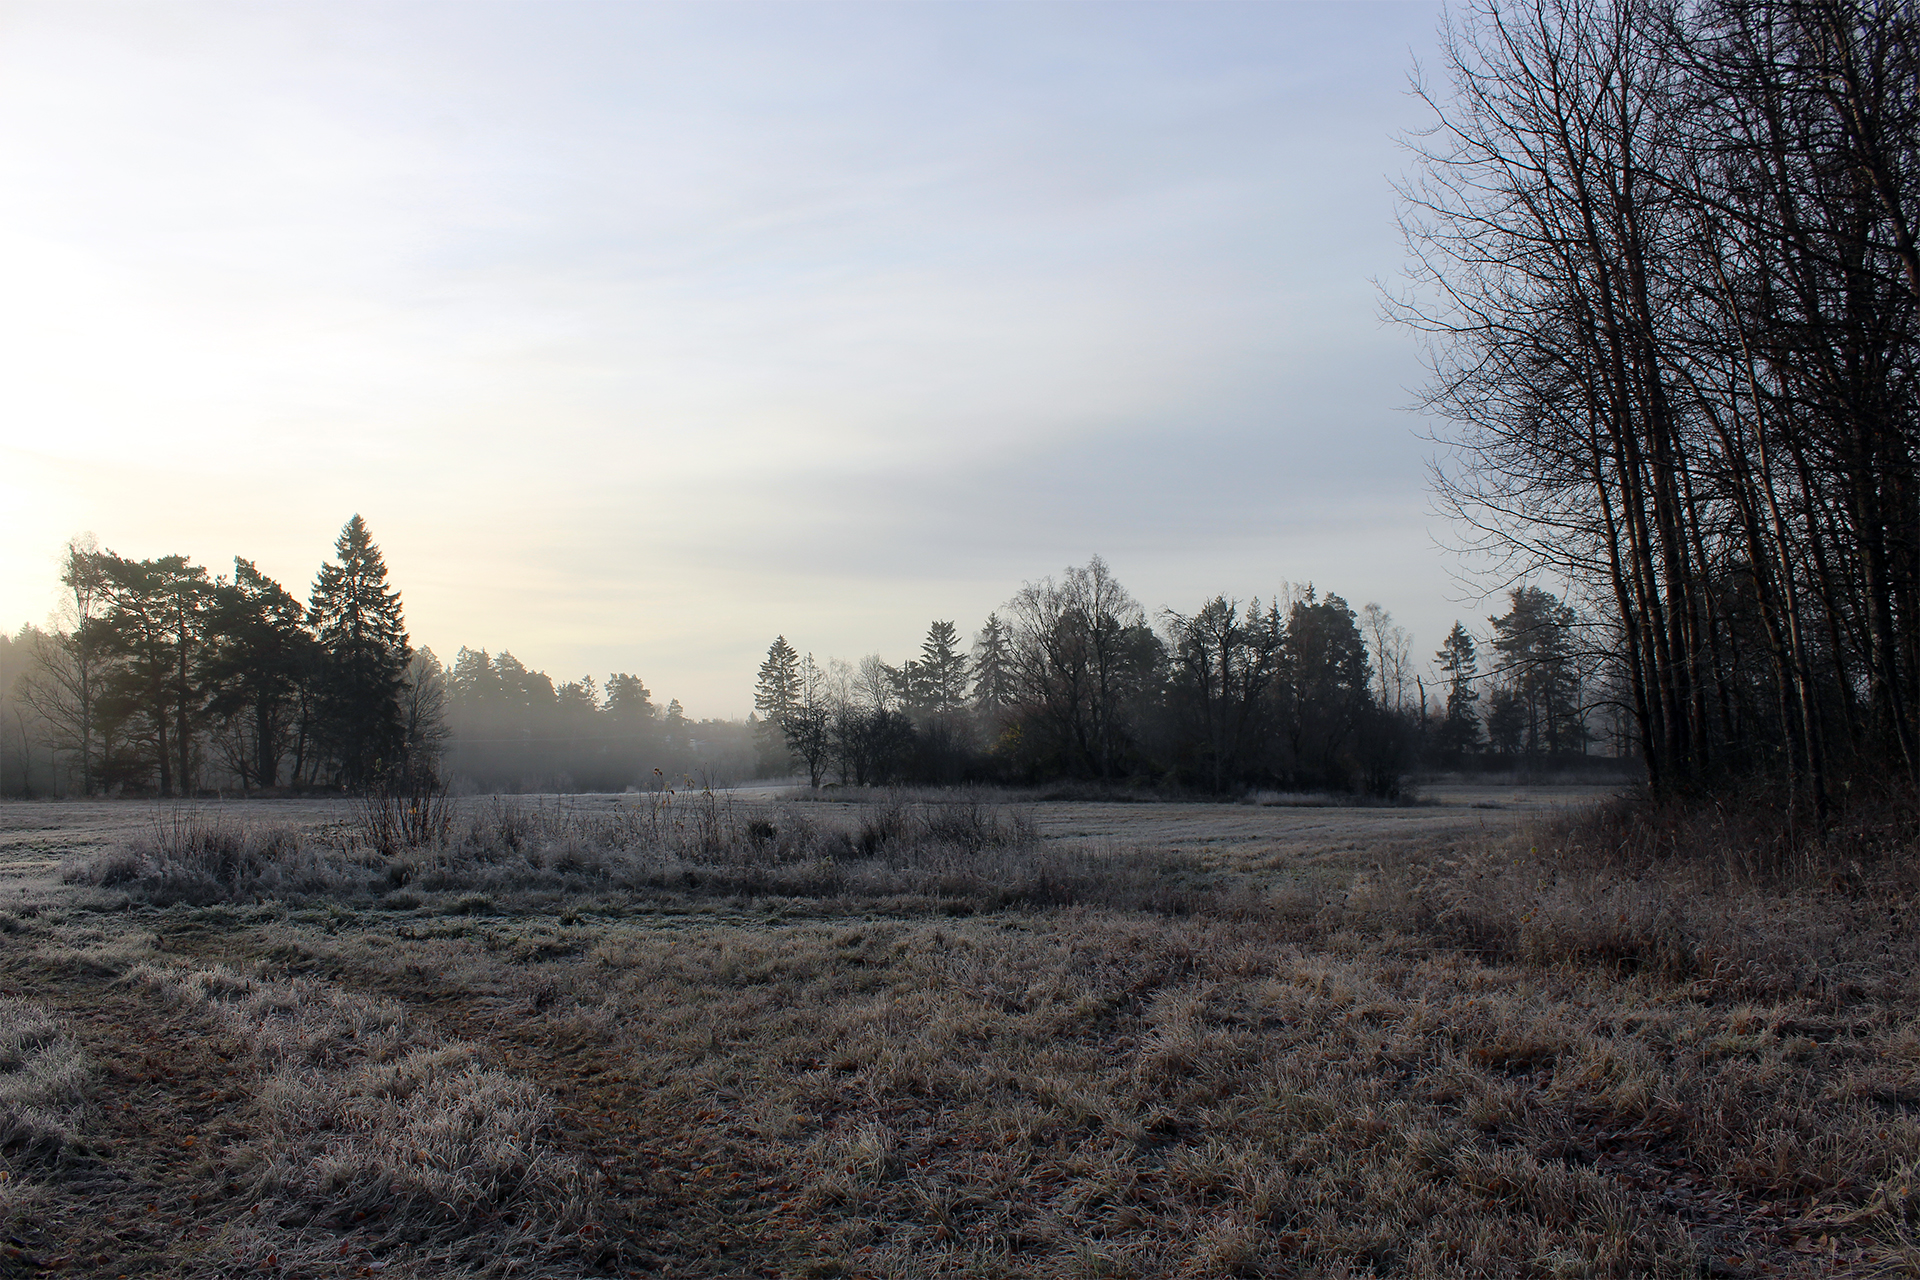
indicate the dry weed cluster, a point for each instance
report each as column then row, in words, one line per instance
column 958, row 856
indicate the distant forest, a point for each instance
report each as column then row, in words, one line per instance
column 163, row 680
column 1071, row 679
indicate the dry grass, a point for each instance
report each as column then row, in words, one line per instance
column 947, row 857
column 367, row 1120
column 43, row 1087
column 976, row 1052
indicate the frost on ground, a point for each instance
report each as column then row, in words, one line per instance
column 364, row 1115
column 897, row 1039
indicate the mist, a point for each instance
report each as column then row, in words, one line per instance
column 644, row 334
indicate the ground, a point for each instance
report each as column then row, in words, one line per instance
column 1382, row 1041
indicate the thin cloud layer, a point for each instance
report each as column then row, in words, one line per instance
column 641, row 333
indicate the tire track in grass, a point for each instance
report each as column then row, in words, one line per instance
column 143, row 1193
column 689, row 1196
column 683, row 1193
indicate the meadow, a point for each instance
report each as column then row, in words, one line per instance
column 1505, row 1032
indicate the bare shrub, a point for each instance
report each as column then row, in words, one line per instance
column 411, row 812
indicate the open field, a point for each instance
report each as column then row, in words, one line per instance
column 38, row 835
column 1070, row 1039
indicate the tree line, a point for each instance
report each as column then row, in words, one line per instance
column 1072, row 679
column 1666, row 254
column 512, row 729
column 161, row 679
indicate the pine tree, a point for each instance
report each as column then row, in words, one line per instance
column 941, row 671
column 634, row 723
column 358, row 622
column 992, row 667
column 260, row 658
column 156, row 624
column 1460, row 731
column 775, row 695
column 676, row 724
column 629, row 704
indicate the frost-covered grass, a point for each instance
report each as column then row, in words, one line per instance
column 1581, row 1050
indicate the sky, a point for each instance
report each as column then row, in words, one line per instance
column 640, row 334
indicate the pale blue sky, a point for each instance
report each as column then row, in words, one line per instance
column 641, row 333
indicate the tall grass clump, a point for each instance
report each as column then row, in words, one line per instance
column 190, row 857
column 965, row 856
column 1732, row 895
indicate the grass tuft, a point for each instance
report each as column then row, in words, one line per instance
column 43, row 1083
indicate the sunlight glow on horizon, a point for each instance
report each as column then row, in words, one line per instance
column 642, row 333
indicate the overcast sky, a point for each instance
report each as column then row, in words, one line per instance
column 640, row 334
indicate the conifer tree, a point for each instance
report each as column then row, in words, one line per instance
column 629, row 703
column 260, row 657
column 1460, row 731
column 156, row 624
column 941, row 671
column 357, row 620
column 992, row 667
column 775, row 695
column 1535, row 640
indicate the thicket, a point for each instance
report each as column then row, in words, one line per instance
column 1665, row 253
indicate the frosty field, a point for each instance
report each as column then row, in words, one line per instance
column 919, row 1036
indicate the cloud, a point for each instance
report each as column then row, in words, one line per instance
column 641, row 332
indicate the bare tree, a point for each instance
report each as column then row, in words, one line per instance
column 71, row 664
column 1392, row 664
column 809, row 720
column 1665, row 256
column 1080, row 653
column 1224, row 667
column 423, row 714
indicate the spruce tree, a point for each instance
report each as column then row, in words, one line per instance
column 357, row 620
column 1535, row 642
column 1460, row 731
column 942, row 670
column 992, row 666
column 775, row 695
